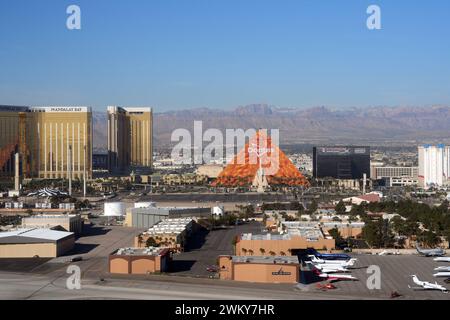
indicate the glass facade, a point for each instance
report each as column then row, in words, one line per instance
column 51, row 141
column 130, row 139
column 341, row 162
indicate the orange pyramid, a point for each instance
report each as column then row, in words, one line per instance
column 259, row 154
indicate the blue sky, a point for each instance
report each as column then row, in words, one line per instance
column 179, row 54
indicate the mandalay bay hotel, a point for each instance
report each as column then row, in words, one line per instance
column 50, row 141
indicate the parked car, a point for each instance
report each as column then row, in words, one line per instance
column 212, row 269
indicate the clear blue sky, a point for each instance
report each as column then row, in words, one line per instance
column 178, row 54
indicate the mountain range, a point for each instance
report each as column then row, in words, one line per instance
column 316, row 125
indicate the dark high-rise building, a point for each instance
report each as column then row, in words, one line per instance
column 341, row 162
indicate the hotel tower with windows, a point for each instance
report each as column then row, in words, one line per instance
column 51, row 141
column 130, row 139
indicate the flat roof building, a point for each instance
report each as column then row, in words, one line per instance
column 147, row 217
column 293, row 236
column 28, row 243
column 171, row 233
column 262, row 269
column 139, row 261
column 70, row 222
column 341, row 162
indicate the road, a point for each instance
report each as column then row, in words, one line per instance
column 32, row 287
column 203, row 249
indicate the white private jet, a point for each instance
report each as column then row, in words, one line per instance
column 326, row 268
column 388, row 253
column 442, row 259
column 335, row 276
column 349, row 263
column 442, row 274
column 424, row 285
column 444, row 269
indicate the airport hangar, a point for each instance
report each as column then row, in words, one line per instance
column 262, row 269
column 29, row 243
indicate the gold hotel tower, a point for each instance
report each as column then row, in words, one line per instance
column 51, row 141
column 130, row 139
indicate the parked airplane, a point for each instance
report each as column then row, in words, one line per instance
column 442, row 274
column 328, row 256
column 335, row 277
column 442, row 259
column 388, row 253
column 430, row 252
column 327, row 268
column 442, row 269
column 349, row 263
column 424, row 285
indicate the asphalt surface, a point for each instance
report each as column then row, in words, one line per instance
column 205, row 247
column 396, row 274
column 216, row 197
column 42, row 279
column 33, row 287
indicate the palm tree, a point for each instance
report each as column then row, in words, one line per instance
column 250, row 252
column 140, row 240
column 272, row 253
column 244, row 251
column 282, row 253
column 262, row 250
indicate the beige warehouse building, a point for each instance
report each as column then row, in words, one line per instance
column 69, row 222
column 130, row 138
column 139, row 261
column 277, row 269
column 29, row 243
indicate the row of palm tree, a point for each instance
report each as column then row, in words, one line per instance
column 263, row 252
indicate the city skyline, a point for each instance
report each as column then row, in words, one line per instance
column 175, row 55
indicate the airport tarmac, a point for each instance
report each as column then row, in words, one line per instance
column 396, row 271
column 101, row 241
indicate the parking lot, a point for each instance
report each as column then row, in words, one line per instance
column 395, row 276
column 205, row 247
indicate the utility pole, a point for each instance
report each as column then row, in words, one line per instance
column 17, row 172
column 69, row 170
column 84, row 173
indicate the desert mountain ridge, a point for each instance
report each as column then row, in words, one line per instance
column 316, row 125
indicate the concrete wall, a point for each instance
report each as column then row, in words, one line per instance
column 70, row 224
column 137, row 264
column 65, row 245
column 258, row 272
column 43, row 250
column 347, row 232
column 280, row 247
column 266, row 273
column 119, row 265
column 143, row 265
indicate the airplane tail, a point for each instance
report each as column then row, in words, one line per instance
column 418, row 248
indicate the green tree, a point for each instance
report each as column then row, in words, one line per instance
column 336, row 236
column 151, row 242
column 312, row 207
column 340, row 208
column 429, row 238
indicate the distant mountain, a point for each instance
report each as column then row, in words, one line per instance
column 318, row 125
